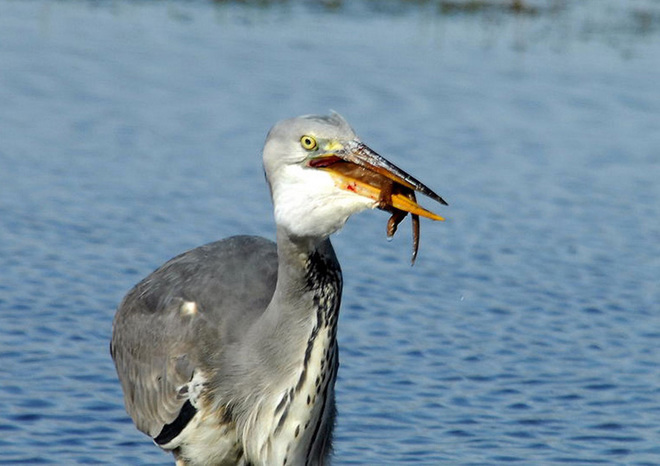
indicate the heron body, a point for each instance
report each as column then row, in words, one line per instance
column 227, row 354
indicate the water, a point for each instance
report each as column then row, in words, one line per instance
column 528, row 331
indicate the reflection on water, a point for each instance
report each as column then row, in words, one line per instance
column 618, row 24
column 528, row 330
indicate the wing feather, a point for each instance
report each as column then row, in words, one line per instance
column 160, row 340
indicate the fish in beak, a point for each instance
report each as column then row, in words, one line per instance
column 357, row 168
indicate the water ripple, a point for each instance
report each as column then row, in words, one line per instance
column 528, row 330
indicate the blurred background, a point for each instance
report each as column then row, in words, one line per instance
column 527, row 332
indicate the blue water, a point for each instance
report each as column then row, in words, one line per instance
column 528, row 332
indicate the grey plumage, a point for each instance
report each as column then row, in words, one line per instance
column 153, row 339
column 227, row 353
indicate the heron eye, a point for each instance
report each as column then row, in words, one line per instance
column 308, row 143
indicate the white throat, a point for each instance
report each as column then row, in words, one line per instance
column 308, row 203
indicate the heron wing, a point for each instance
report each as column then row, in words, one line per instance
column 177, row 321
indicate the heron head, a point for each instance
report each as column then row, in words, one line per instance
column 320, row 173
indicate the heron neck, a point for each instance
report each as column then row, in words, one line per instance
column 297, row 258
column 307, row 296
column 291, row 361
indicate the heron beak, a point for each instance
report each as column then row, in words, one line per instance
column 357, row 168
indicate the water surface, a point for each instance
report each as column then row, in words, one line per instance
column 528, row 331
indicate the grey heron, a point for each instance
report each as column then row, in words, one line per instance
column 227, row 353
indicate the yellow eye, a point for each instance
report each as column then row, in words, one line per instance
column 308, row 143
